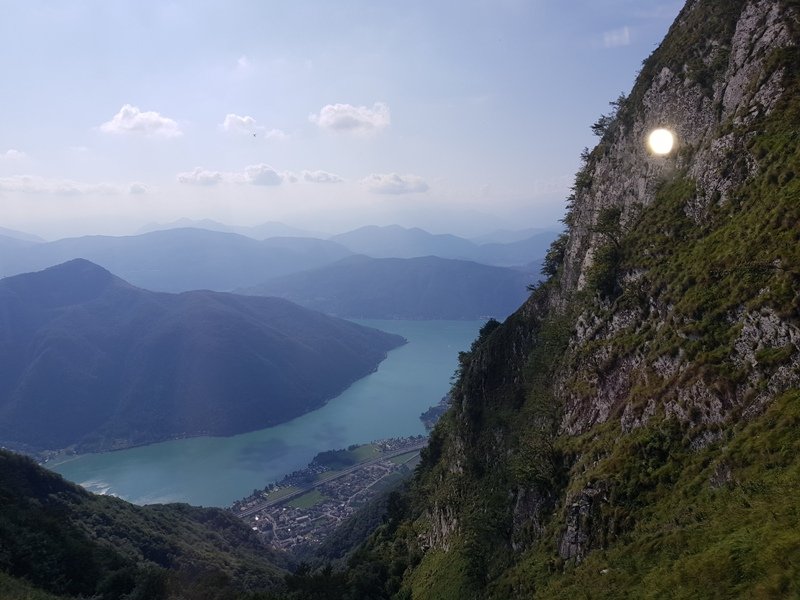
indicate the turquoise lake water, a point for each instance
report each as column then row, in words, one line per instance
column 215, row 471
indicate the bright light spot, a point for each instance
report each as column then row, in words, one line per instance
column 661, row 141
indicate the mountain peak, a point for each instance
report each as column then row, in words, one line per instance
column 72, row 282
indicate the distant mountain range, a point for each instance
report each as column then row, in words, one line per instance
column 396, row 288
column 258, row 232
column 88, row 360
column 508, row 236
column 179, row 259
column 19, row 235
column 183, row 259
column 394, row 241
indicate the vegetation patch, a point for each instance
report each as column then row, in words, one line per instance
column 308, row 500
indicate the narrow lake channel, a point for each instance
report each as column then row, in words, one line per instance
column 215, row 471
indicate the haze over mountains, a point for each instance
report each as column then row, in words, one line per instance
column 394, row 241
column 257, row 232
column 87, row 359
column 183, row 259
column 19, row 235
column 412, row 288
column 180, row 259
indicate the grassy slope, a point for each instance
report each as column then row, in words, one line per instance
column 691, row 538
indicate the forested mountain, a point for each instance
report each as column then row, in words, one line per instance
column 411, row 288
column 179, row 260
column 60, row 541
column 632, row 430
column 87, row 359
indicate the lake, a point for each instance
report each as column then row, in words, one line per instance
column 215, row 471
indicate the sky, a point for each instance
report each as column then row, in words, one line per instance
column 458, row 116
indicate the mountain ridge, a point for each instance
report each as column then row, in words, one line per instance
column 404, row 288
column 88, row 359
column 394, row 241
column 181, row 259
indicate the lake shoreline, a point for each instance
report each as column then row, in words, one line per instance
column 386, row 403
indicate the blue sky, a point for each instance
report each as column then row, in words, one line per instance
column 460, row 116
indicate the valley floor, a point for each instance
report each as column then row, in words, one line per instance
column 306, row 506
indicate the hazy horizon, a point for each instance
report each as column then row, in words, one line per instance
column 460, row 117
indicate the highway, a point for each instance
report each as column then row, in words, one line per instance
column 307, row 488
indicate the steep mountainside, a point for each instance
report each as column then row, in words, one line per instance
column 404, row 288
column 61, row 540
column 89, row 360
column 179, row 260
column 634, row 429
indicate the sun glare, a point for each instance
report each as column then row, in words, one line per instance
column 661, row 141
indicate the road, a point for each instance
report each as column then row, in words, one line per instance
column 307, row 488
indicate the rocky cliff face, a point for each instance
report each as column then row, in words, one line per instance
column 614, row 420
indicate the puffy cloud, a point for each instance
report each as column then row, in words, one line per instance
column 321, row 177
column 262, row 175
column 617, row 38
column 13, row 154
column 200, row 176
column 130, row 119
column 28, row 184
column 346, row 118
column 247, row 125
column 137, row 188
column 237, row 124
column 392, row 183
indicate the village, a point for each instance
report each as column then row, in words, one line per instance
column 304, row 507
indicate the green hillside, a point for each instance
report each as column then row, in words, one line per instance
column 59, row 541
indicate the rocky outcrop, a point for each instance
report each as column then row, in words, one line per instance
column 659, row 333
column 583, row 523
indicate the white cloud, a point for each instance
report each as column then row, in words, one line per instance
column 247, row 126
column 346, row 118
column 617, row 38
column 28, row 184
column 321, row 177
column 235, row 123
column 13, row 154
column 130, row 119
column 276, row 134
column 260, row 174
column 392, row 183
column 200, row 176
column 137, row 188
